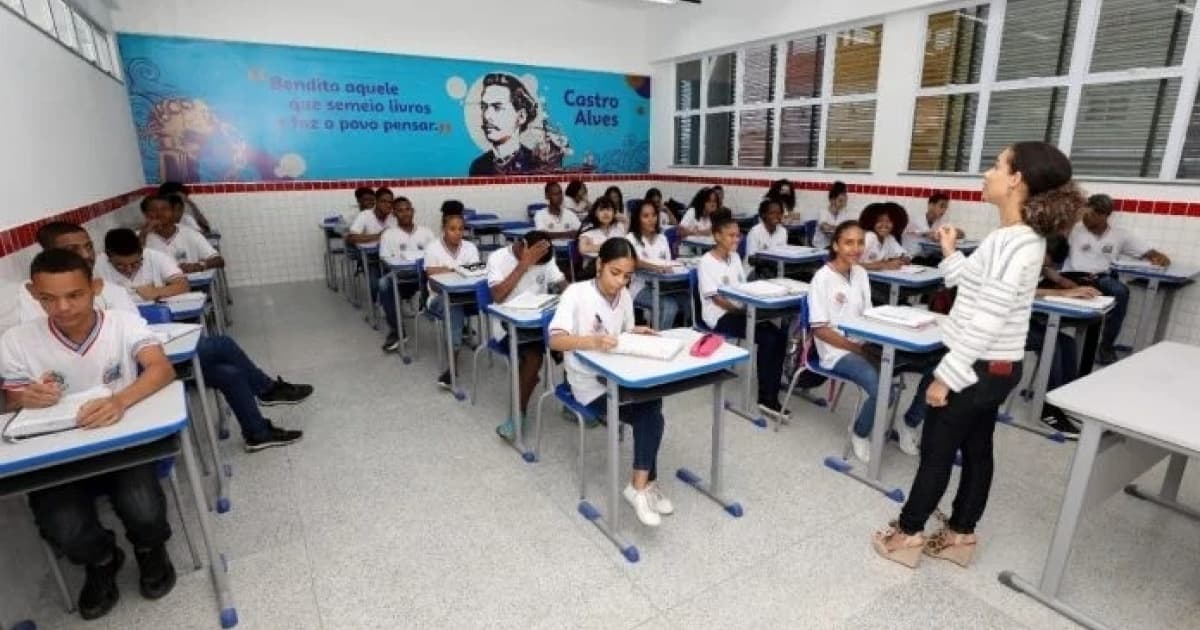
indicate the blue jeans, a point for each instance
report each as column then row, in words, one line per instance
column 865, row 374
column 1109, row 285
column 384, row 288
column 668, row 307
column 648, row 424
column 458, row 318
column 228, row 369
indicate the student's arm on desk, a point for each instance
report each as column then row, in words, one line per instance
column 1157, row 258
column 1084, row 293
column 562, row 341
column 213, row 262
column 156, row 374
column 38, row 395
column 175, row 286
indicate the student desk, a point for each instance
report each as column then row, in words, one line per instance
column 516, row 320
column 676, row 281
column 896, row 279
column 190, row 310
column 403, row 272
column 1168, row 280
column 630, row 379
column 332, row 231
column 455, row 290
column 745, row 220
column 891, row 338
column 793, row 255
column 368, row 255
column 1124, row 434
column 152, row 430
column 933, row 248
column 699, row 244
column 758, row 308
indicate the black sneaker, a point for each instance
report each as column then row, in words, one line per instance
column 99, row 593
column 444, row 380
column 773, row 408
column 275, row 437
column 1061, row 424
column 157, row 573
column 392, row 343
column 284, row 393
column 1106, row 356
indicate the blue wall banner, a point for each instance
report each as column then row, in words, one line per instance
column 216, row 111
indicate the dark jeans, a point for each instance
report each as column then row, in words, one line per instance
column 66, row 514
column 964, row 424
column 1108, row 285
column 408, row 288
column 772, row 345
column 648, row 424
column 228, row 369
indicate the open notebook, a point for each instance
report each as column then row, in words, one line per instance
column 905, row 316
column 28, row 423
column 185, row 298
column 1099, row 303
column 763, row 289
column 648, row 346
column 532, row 301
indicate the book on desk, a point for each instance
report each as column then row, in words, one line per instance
column 1099, row 303
column 775, row 287
column 903, row 316
column 648, row 346
column 472, row 270
column 531, row 302
column 63, row 416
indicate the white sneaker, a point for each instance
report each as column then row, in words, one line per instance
column 909, row 438
column 861, row 447
column 640, row 501
column 658, row 501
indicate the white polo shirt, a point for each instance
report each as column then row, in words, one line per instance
column 157, row 270
column 437, row 254
column 583, row 310
column 875, row 251
column 712, row 274
column 690, row 222
column 917, row 229
column 365, row 222
column 655, row 249
column 112, row 297
column 1095, row 254
column 760, row 240
column 108, row 356
column 597, row 236
column 537, row 280
column 821, row 239
column 834, row 298
column 186, row 245
column 564, row 221
column 398, row 245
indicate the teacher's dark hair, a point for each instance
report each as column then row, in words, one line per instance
column 615, row 248
column 1054, row 201
column 518, row 95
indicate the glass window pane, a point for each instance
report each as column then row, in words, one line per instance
column 805, row 65
column 1141, row 34
column 1020, row 115
column 87, row 45
column 687, row 85
column 758, row 86
column 799, row 136
column 1122, row 128
column 954, row 47
column 755, row 134
column 103, row 58
column 1038, row 36
column 38, row 12
column 848, row 138
column 1189, row 167
column 63, row 22
column 942, row 129
column 721, row 79
column 856, row 60
column 687, row 142
column 718, row 139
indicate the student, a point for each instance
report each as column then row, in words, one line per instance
column 881, row 222
column 69, row 236
column 601, row 224
column 665, row 217
column 1030, row 183
column 783, row 190
column 526, row 266
column 182, row 218
column 720, row 192
column 924, row 226
column 147, row 274
column 720, row 267
column 369, row 224
column 767, row 233
column 82, row 348
column 364, row 199
column 831, row 216
column 653, row 253
column 444, row 255
column 577, row 199
column 590, row 316
column 1095, row 246
column 193, row 211
column 697, row 221
column 614, row 194
column 406, row 241
column 188, row 247
column 553, row 219
column 841, row 290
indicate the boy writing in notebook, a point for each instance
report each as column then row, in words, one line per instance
column 83, row 348
column 188, row 247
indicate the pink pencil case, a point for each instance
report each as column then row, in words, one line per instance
column 706, row 345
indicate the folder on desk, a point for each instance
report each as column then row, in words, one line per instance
column 166, row 333
column 185, row 298
column 905, row 316
column 793, row 287
column 29, row 423
column 648, row 346
column 532, row 301
column 1099, row 303
column 763, row 289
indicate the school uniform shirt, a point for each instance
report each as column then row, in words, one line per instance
column 108, row 356
column 712, row 274
column 917, row 229
column 564, row 221
column 760, row 240
column 653, row 249
column 834, row 298
column 438, row 255
column 366, row 222
column 1095, row 254
column 990, row 318
column 537, row 280
column 186, row 245
column 578, row 209
column 820, row 238
column 583, row 310
column 597, row 236
column 690, row 222
column 397, row 244
column 875, row 251
column 113, row 297
column 157, row 270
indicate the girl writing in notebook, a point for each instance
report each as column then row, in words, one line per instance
column 881, row 222
column 653, row 254
column 590, row 316
column 841, row 291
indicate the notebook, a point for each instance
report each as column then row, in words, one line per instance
column 793, row 250
column 167, row 333
column 912, row 269
column 648, row 346
column 472, row 270
column 1099, row 303
column 531, row 301
column 185, row 298
column 28, row 423
column 763, row 289
column 793, row 287
column 1135, row 263
column 905, row 316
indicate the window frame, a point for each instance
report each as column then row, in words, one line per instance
column 74, row 45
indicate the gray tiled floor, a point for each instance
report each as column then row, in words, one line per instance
column 402, row 510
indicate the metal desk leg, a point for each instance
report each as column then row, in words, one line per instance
column 222, row 471
column 611, row 525
column 712, row 489
column 216, row 561
column 1143, row 331
column 514, row 369
column 879, row 431
column 1041, row 381
column 747, row 410
column 1164, row 314
column 655, row 298
column 367, row 300
column 1169, row 494
column 893, row 293
column 1046, row 590
column 404, row 355
column 779, row 268
column 459, row 395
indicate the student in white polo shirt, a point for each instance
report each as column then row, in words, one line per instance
column 147, row 275
column 590, row 316
column 554, row 220
column 366, row 229
column 190, row 249
column 697, row 221
column 526, row 266
column 923, row 226
column 71, row 237
column 720, row 267
column 653, row 253
column 444, row 255
column 769, row 232
column 406, row 241
column 83, row 348
column 1094, row 246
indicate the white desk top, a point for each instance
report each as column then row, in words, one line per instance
column 791, row 300
column 911, row 339
column 1152, row 393
column 403, row 264
column 793, row 253
column 1175, row 273
column 478, row 224
column 187, row 309
column 674, row 273
column 641, row 373
column 929, row 277
column 520, row 317
column 1042, row 305
column 700, row 241
column 183, row 346
column 160, row 415
column 455, row 283
column 201, row 278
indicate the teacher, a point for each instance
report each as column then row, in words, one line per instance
column 506, row 109
column 1030, row 183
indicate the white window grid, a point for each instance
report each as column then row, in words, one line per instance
column 778, row 102
column 1078, row 77
column 70, row 27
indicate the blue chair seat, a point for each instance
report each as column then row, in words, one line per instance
column 563, row 393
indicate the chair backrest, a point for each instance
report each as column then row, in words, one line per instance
column 672, row 234
column 532, row 209
column 468, row 213
column 632, row 206
column 155, row 313
column 810, row 231
column 741, row 248
column 694, row 293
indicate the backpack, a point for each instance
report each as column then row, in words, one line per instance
column 800, row 349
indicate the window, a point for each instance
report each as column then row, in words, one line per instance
column 64, row 27
column 1122, row 128
column 796, row 103
column 1189, row 165
column 87, row 44
column 1141, row 34
column 60, row 20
